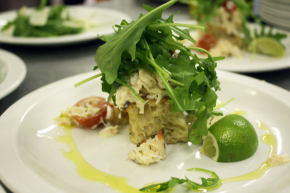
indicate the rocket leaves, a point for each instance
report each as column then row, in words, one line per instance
column 148, row 43
column 108, row 56
column 206, row 182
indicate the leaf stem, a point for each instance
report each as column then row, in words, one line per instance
column 202, row 50
column 87, row 80
column 176, row 82
column 151, row 60
column 42, row 4
column 155, row 25
column 164, row 71
column 170, row 91
column 128, row 86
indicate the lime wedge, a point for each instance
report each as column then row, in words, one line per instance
column 268, row 46
column 210, row 147
column 231, row 139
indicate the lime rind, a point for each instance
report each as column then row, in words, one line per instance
column 232, row 138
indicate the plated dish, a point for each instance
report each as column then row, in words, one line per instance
column 13, row 72
column 34, row 149
column 248, row 62
column 103, row 19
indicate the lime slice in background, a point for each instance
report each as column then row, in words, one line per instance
column 231, row 139
column 268, row 46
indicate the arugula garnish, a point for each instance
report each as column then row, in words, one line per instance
column 206, row 183
column 148, row 43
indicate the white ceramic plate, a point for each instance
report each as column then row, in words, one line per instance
column 1, row 189
column 103, row 18
column 13, row 72
column 31, row 160
column 250, row 63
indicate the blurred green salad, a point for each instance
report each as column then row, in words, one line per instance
column 44, row 22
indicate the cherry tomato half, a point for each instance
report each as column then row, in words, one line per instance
column 207, row 42
column 229, row 6
column 92, row 120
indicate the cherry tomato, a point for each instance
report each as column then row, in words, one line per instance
column 207, row 42
column 229, row 6
column 92, row 120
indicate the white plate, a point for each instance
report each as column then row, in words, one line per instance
column 2, row 189
column 276, row 4
column 279, row 23
column 279, row 14
column 31, row 160
column 14, row 72
column 103, row 18
column 249, row 63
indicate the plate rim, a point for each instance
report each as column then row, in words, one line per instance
column 19, row 184
column 67, row 39
column 16, row 73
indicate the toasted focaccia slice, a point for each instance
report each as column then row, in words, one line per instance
column 156, row 116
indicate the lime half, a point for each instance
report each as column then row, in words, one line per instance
column 231, row 139
column 268, row 46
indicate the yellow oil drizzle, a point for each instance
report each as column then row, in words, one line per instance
column 119, row 184
column 85, row 170
column 239, row 112
column 268, row 139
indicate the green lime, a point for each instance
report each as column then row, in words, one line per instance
column 269, row 46
column 232, row 138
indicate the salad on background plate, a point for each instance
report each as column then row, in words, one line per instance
column 228, row 33
column 57, row 24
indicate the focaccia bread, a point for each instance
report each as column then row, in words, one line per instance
column 155, row 117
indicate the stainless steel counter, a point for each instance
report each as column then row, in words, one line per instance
column 49, row 64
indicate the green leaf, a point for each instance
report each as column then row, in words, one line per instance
column 183, row 33
column 206, row 183
column 277, row 36
column 110, row 88
column 108, row 56
column 42, row 4
column 54, row 26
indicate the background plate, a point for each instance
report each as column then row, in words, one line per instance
column 104, row 19
column 251, row 63
column 15, row 72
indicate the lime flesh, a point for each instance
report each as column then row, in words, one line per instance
column 231, row 139
column 268, row 46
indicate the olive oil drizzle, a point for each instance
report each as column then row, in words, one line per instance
column 85, row 170
column 119, row 184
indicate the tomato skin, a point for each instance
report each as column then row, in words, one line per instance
column 207, row 42
column 92, row 121
column 229, row 6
